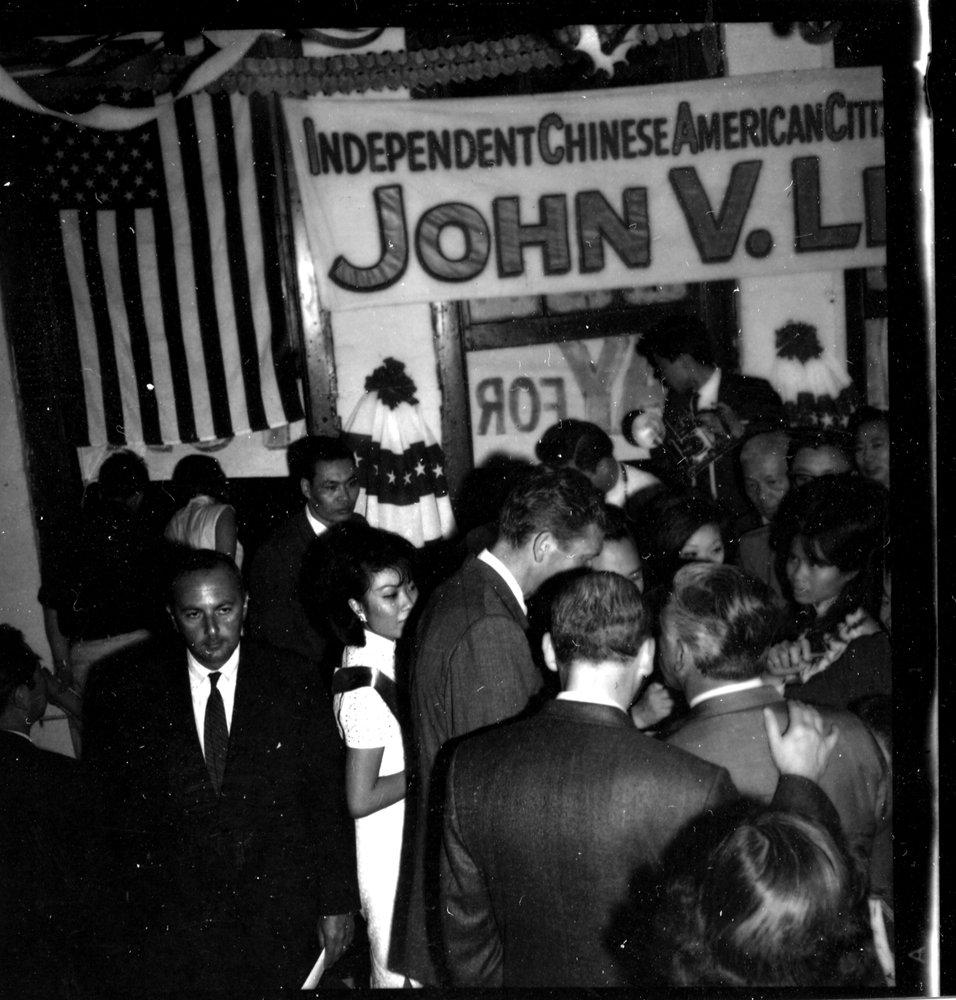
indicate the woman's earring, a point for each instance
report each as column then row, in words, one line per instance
column 361, row 617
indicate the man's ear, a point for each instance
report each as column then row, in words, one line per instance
column 543, row 543
column 21, row 697
column 547, row 647
column 245, row 607
column 306, row 488
column 645, row 659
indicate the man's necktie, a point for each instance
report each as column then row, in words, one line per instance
column 215, row 734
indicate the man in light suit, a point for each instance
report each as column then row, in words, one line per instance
column 550, row 821
column 725, row 404
column 716, row 628
column 473, row 665
column 324, row 470
column 228, row 781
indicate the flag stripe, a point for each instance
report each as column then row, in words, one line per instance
column 182, row 254
column 163, row 391
column 202, row 268
column 265, row 170
column 99, row 312
column 238, row 269
column 256, row 264
column 128, row 249
column 219, row 260
column 122, row 349
column 83, row 319
column 172, row 327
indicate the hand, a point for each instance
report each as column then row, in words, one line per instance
column 335, row 936
column 807, row 745
column 788, row 658
column 731, row 421
column 654, row 704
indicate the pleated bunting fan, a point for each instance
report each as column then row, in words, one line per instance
column 400, row 464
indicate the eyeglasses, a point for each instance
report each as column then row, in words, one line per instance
column 802, row 478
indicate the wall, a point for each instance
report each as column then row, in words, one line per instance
column 19, row 564
column 765, row 304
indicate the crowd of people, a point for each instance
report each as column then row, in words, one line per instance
column 637, row 736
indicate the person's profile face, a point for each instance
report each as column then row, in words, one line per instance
column 580, row 551
column 620, row 555
column 388, row 602
column 208, row 609
column 332, row 491
column 674, row 373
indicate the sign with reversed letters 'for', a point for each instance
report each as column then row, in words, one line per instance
column 411, row 201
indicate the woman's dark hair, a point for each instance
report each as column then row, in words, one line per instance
column 199, row 475
column 776, row 901
column 122, row 475
column 339, row 567
column 574, row 442
column 867, row 415
column 841, row 521
column 663, row 524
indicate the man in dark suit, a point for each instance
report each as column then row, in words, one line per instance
column 716, row 628
column 707, row 411
column 238, row 846
column 473, row 665
column 324, row 470
column 550, row 821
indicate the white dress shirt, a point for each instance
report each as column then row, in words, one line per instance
column 502, row 570
column 718, row 692
column 314, row 523
column 200, row 686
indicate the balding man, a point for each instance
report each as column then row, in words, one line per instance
column 763, row 465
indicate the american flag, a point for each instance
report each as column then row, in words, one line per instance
column 172, row 258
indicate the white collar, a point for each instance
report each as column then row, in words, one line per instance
column 502, row 570
column 588, row 698
column 708, row 392
column 199, row 673
column 377, row 653
column 314, row 523
column 16, row 732
column 719, row 692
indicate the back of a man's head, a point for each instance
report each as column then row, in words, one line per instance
column 677, row 335
column 576, row 443
column 724, row 618
column 598, row 617
column 561, row 501
column 122, row 476
column 18, row 663
column 305, row 453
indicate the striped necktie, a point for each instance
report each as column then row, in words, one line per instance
column 215, row 734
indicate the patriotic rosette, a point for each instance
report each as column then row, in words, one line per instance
column 400, row 464
column 816, row 389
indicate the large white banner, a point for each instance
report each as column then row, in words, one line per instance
column 542, row 194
